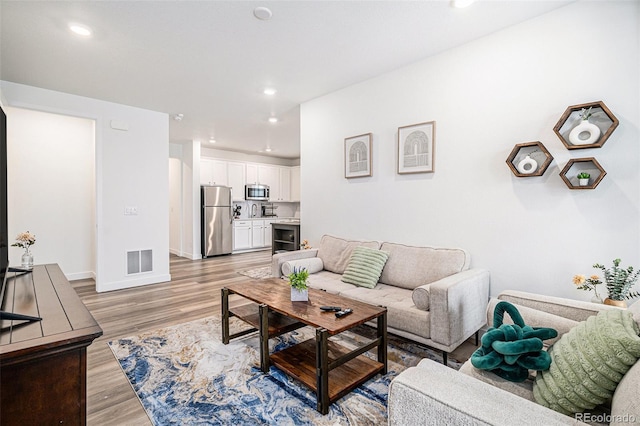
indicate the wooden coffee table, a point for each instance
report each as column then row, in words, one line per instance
column 323, row 365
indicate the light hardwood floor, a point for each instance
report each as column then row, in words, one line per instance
column 193, row 293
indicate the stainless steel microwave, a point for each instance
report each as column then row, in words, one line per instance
column 256, row 192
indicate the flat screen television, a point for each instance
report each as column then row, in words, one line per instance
column 5, row 270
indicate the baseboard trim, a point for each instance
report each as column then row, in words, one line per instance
column 81, row 275
column 137, row 282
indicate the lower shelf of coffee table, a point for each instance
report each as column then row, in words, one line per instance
column 299, row 361
column 278, row 324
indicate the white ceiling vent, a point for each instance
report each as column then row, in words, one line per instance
column 139, row 261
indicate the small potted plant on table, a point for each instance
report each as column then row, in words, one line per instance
column 583, row 178
column 298, row 282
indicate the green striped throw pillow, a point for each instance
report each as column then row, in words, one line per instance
column 365, row 266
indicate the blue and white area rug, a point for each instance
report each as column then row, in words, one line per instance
column 184, row 375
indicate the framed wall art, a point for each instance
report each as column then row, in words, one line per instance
column 357, row 156
column 416, row 145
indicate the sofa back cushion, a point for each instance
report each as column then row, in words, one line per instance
column 409, row 267
column 336, row 252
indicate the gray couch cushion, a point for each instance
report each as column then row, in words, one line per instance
column 329, row 282
column 401, row 312
column 335, row 252
column 522, row 389
column 625, row 399
column 410, row 267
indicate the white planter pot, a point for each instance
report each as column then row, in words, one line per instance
column 584, row 133
column 299, row 295
column 583, row 182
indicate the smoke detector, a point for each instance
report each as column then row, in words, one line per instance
column 262, row 13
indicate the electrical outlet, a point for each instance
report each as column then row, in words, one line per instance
column 131, row 211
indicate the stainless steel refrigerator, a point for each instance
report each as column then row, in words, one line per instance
column 217, row 220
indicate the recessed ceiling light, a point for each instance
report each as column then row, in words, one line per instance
column 80, row 30
column 269, row 91
column 273, row 119
column 262, row 13
column 459, row 4
column 212, row 140
column 267, row 149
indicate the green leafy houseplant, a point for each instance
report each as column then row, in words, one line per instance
column 619, row 281
column 584, row 175
column 298, row 278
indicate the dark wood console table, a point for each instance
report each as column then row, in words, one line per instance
column 43, row 364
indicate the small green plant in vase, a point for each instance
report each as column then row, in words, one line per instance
column 298, row 282
column 583, row 178
column 619, row 282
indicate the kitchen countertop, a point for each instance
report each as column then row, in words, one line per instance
column 279, row 219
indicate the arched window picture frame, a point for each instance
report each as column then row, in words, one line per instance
column 357, row 156
column 416, row 146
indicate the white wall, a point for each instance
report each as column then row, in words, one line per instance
column 131, row 171
column 175, row 199
column 486, row 96
column 51, row 188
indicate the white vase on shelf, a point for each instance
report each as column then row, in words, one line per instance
column 527, row 165
column 585, row 133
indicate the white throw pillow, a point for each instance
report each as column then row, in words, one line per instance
column 313, row 265
column 420, row 296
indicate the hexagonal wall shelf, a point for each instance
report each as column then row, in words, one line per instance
column 576, row 166
column 577, row 133
column 529, row 159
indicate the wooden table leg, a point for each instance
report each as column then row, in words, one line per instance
column 382, row 335
column 264, row 337
column 322, row 370
column 225, row 316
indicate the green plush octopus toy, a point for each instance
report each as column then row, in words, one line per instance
column 511, row 350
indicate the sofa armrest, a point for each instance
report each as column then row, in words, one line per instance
column 433, row 394
column 575, row 310
column 278, row 259
column 458, row 307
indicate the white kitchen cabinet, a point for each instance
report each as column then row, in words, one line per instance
column 269, row 175
column 295, row 184
column 241, row 234
column 237, row 178
column 257, row 233
column 252, row 173
column 213, row 172
column 206, row 170
column 284, row 181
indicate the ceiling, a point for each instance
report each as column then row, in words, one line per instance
column 211, row 60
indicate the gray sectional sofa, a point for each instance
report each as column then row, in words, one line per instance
column 431, row 295
column 431, row 394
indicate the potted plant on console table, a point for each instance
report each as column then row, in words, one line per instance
column 298, row 283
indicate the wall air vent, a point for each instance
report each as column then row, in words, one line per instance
column 139, row 261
